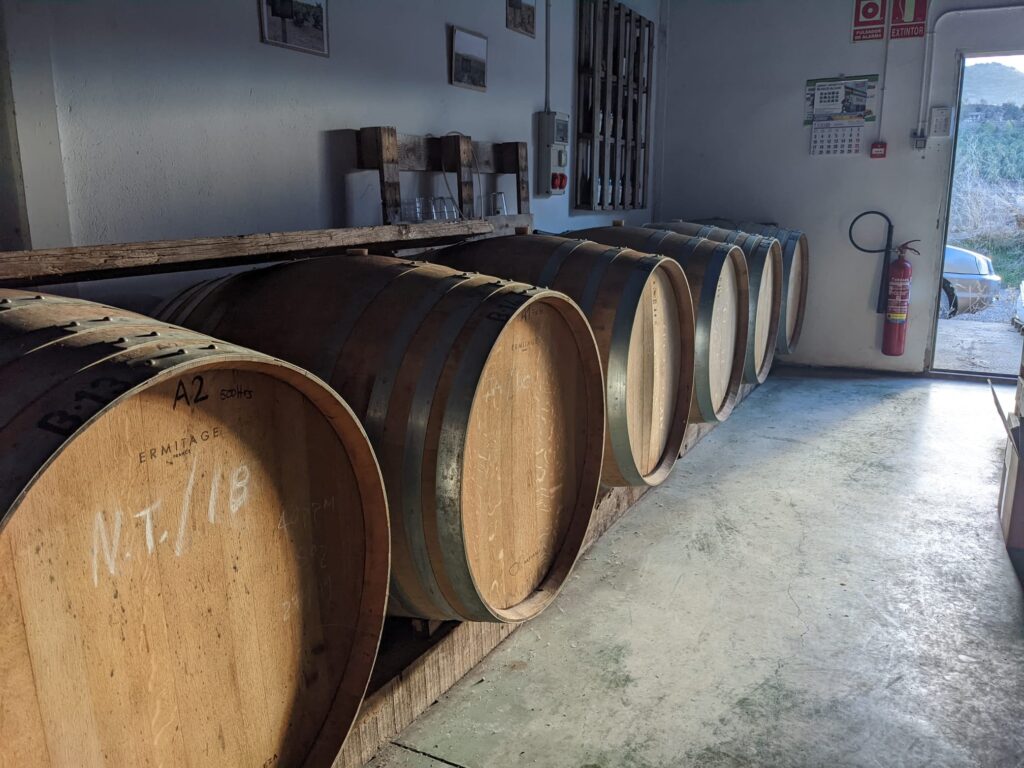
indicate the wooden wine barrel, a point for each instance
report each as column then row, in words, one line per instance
column 795, row 270
column 764, row 265
column 717, row 273
column 482, row 398
column 193, row 547
column 641, row 312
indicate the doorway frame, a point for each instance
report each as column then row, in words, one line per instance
column 961, row 62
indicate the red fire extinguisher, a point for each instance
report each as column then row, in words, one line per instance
column 894, row 336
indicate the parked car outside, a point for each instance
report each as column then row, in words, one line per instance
column 973, row 280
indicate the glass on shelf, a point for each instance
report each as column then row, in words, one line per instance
column 497, row 205
column 446, row 209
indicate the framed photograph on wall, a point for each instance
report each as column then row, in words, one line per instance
column 521, row 16
column 296, row 24
column 468, row 59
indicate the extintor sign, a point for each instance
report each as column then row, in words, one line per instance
column 869, row 20
column 909, row 19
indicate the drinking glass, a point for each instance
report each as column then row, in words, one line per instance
column 498, row 207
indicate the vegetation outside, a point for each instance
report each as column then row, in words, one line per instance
column 987, row 208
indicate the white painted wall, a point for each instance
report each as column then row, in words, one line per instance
column 733, row 144
column 175, row 121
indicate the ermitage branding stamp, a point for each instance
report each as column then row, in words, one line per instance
column 178, row 447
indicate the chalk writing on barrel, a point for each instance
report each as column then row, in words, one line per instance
column 109, row 544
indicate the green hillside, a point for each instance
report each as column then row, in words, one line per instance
column 993, row 84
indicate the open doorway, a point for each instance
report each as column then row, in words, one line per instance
column 980, row 308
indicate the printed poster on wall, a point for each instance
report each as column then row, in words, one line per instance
column 869, row 19
column 841, row 101
column 837, row 109
column 909, row 19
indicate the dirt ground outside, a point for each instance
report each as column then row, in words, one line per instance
column 981, row 342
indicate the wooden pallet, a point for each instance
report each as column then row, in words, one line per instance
column 414, row 671
column 384, row 149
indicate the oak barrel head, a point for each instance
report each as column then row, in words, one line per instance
column 195, row 571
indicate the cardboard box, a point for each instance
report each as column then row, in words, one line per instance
column 1011, row 492
column 1019, row 399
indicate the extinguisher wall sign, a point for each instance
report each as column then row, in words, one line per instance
column 894, row 337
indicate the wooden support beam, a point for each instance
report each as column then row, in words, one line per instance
column 57, row 265
column 378, row 148
column 457, row 158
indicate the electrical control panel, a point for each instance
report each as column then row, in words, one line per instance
column 552, row 153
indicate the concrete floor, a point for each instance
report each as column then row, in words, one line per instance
column 820, row 583
column 977, row 347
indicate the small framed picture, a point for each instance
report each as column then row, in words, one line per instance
column 521, row 16
column 301, row 26
column 468, row 59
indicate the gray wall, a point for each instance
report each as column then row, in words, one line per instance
column 733, row 144
column 149, row 119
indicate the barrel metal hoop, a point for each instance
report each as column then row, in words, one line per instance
column 177, row 308
column 706, row 231
column 450, row 457
column 657, row 237
column 702, row 341
column 11, row 352
column 28, row 390
column 556, row 260
column 756, row 261
column 616, row 375
column 415, row 448
column 589, row 295
column 41, row 446
column 341, row 330
column 754, row 369
column 789, row 246
column 384, row 380
column 204, row 293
